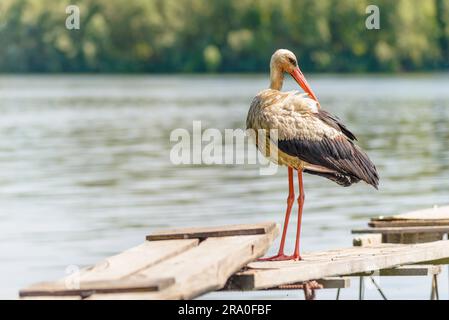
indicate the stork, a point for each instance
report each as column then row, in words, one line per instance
column 309, row 139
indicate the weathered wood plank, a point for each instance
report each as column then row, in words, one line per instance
column 443, row 261
column 407, row 223
column 335, row 282
column 365, row 240
column 412, row 237
column 88, row 288
column 137, row 258
column 437, row 213
column 167, row 294
column 204, row 268
column 402, row 230
column 326, row 283
column 318, row 265
column 114, row 268
column 207, row 232
column 408, row 270
column 50, row 297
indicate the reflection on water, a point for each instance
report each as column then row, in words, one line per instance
column 85, row 168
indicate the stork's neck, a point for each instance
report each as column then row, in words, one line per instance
column 276, row 78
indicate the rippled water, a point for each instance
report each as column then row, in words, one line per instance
column 85, row 170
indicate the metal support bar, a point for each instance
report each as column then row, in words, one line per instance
column 361, row 288
column 434, row 295
column 379, row 289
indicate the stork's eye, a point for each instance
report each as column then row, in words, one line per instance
column 292, row 61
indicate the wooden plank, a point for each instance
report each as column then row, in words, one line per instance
column 317, row 265
column 204, row 268
column 47, row 297
column 116, row 267
column 88, row 288
column 207, row 232
column 335, row 282
column 412, row 270
column 135, row 259
column 407, row 223
column 161, row 295
column 408, row 270
column 326, row 283
column 443, row 261
column 412, row 237
column 437, row 213
column 365, row 240
column 402, row 230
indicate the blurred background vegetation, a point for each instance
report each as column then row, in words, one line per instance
column 222, row 36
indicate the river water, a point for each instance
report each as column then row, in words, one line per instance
column 85, row 170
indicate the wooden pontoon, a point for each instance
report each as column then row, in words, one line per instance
column 187, row 263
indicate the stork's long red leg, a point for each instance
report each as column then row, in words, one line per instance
column 290, row 200
column 301, row 197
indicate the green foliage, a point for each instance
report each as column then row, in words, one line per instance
column 222, row 36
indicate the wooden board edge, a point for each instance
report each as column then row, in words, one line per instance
column 365, row 240
column 403, row 230
column 413, row 270
column 91, row 287
column 247, row 230
column 254, row 280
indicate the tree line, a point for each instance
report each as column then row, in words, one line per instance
column 168, row 36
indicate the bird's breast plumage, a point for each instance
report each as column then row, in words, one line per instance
column 290, row 114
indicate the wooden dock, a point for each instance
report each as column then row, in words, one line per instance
column 187, row 263
column 172, row 264
column 413, row 227
column 349, row 261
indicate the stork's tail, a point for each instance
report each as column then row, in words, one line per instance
column 342, row 180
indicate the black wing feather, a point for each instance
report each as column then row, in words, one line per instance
column 338, row 154
column 341, row 179
column 335, row 122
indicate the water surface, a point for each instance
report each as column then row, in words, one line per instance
column 85, row 170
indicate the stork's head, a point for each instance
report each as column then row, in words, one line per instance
column 284, row 60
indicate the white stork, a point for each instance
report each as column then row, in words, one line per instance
column 309, row 139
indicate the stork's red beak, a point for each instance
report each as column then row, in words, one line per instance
column 301, row 80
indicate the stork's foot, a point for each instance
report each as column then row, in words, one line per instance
column 281, row 257
column 296, row 257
